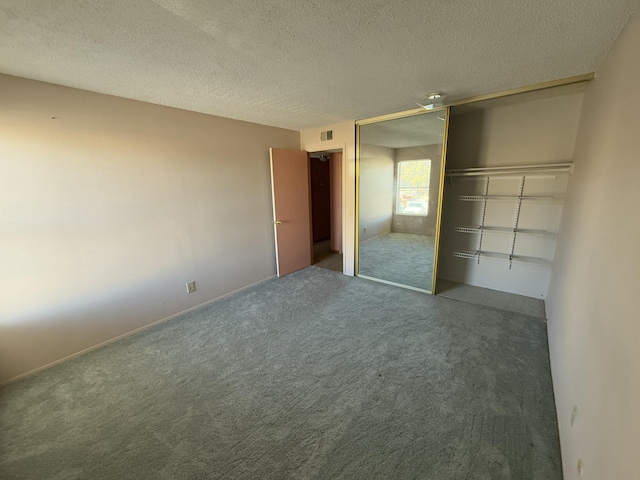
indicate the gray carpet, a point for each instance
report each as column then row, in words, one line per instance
column 403, row 258
column 324, row 257
column 312, row 376
column 492, row 298
column 331, row 262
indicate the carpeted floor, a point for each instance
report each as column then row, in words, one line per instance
column 324, row 257
column 403, row 258
column 312, row 376
column 492, row 298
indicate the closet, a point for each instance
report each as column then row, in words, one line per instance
column 508, row 165
column 490, row 218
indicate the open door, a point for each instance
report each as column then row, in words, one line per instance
column 291, row 209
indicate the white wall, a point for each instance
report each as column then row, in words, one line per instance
column 108, row 206
column 520, row 130
column 344, row 139
column 594, row 324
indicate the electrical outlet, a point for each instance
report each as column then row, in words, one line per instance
column 365, row 229
column 191, row 287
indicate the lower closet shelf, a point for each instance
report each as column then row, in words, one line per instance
column 499, row 257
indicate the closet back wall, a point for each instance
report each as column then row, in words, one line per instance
column 108, row 206
column 531, row 129
column 514, row 132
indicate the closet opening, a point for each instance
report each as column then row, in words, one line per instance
column 509, row 163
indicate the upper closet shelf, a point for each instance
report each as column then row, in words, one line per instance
column 516, row 170
column 508, row 198
column 500, row 257
column 503, row 230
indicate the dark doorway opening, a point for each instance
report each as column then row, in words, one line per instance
column 326, row 209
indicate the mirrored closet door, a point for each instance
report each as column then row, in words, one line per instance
column 400, row 163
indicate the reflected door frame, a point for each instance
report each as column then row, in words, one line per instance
column 383, row 118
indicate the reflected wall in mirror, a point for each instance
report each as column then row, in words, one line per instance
column 399, row 190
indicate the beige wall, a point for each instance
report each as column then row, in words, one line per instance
column 520, row 130
column 108, row 206
column 345, row 140
column 377, row 169
column 594, row 324
column 530, row 129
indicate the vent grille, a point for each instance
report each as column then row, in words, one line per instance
column 328, row 135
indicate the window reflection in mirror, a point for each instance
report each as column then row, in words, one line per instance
column 412, row 187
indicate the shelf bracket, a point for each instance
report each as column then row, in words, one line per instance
column 482, row 215
column 516, row 219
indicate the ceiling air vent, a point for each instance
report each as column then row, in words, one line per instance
column 328, row 135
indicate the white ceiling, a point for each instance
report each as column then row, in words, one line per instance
column 301, row 64
column 413, row 131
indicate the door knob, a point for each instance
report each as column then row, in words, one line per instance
column 278, row 222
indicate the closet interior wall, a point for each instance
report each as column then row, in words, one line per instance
column 512, row 220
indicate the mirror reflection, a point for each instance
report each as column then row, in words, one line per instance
column 399, row 188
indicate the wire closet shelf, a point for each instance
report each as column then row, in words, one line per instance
column 521, row 173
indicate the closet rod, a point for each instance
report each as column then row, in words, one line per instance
column 516, row 169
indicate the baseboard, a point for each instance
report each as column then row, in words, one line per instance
column 132, row 332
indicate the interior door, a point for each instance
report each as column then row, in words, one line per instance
column 291, row 209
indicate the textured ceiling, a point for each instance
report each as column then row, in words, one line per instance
column 417, row 130
column 300, row 64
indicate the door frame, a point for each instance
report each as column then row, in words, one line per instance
column 343, row 194
column 343, row 139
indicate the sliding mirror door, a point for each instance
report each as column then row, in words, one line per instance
column 400, row 165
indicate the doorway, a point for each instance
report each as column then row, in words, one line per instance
column 325, row 180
